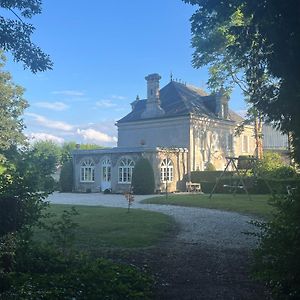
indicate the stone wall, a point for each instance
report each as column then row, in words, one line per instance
column 167, row 132
column 177, row 156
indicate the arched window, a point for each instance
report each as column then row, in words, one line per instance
column 125, row 170
column 87, row 171
column 106, row 170
column 166, row 170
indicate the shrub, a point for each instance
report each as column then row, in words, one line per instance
column 277, row 259
column 52, row 269
column 143, row 178
column 107, row 191
column 66, row 177
column 210, row 167
column 44, row 272
column 49, row 184
column 272, row 164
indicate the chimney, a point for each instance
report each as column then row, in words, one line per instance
column 222, row 104
column 153, row 108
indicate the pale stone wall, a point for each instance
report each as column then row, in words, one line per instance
column 213, row 140
column 177, row 156
column 168, row 132
column 248, row 133
column 180, row 170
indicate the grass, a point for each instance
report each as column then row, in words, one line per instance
column 114, row 227
column 258, row 206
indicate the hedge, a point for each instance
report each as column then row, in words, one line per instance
column 254, row 185
column 143, row 178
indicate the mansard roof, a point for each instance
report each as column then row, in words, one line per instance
column 178, row 99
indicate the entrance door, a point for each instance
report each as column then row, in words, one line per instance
column 105, row 174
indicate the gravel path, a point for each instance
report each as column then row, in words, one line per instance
column 197, row 225
column 209, row 258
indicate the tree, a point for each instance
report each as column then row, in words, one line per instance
column 15, row 34
column 46, row 155
column 143, row 178
column 264, row 42
column 12, row 106
column 66, row 177
column 264, row 45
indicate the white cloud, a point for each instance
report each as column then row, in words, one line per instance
column 69, row 93
column 42, row 136
column 105, row 103
column 118, row 97
column 93, row 135
column 58, row 106
column 43, row 121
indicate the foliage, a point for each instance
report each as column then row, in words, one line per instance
column 260, row 39
column 47, row 155
column 66, row 177
column 210, row 167
column 272, row 181
column 42, row 159
column 68, row 147
column 11, row 108
column 204, row 176
column 15, row 34
column 21, row 205
column 62, row 230
column 107, row 191
column 272, row 166
column 81, row 279
column 45, row 270
column 143, row 178
column 277, row 259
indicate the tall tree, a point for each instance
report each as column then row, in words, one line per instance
column 15, row 34
column 265, row 42
column 12, row 105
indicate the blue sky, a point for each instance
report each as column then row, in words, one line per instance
column 102, row 50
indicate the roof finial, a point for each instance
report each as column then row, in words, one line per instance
column 171, row 76
column 137, row 98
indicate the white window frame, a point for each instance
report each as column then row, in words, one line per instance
column 125, row 170
column 229, row 142
column 87, row 170
column 166, row 170
column 245, row 138
column 106, row 170
column 214, row 142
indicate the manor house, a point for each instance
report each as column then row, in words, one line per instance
column 179, row 128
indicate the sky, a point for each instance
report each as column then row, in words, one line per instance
column 102, row 51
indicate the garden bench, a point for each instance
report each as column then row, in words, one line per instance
column 193, row 187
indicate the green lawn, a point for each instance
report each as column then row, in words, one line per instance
column 257, row 206
column 114, row 227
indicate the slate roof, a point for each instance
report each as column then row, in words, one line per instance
column 178, row 99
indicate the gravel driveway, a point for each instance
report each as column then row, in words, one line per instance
column 197, row 225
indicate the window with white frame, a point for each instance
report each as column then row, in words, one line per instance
column 202, row 137
column 106, row 170
column 87, row 170
column 214, row 142
column 166, row 170
column 229, row 142
column 245, row 144
column 125, row 170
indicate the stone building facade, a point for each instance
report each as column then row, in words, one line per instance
column 179, row 128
